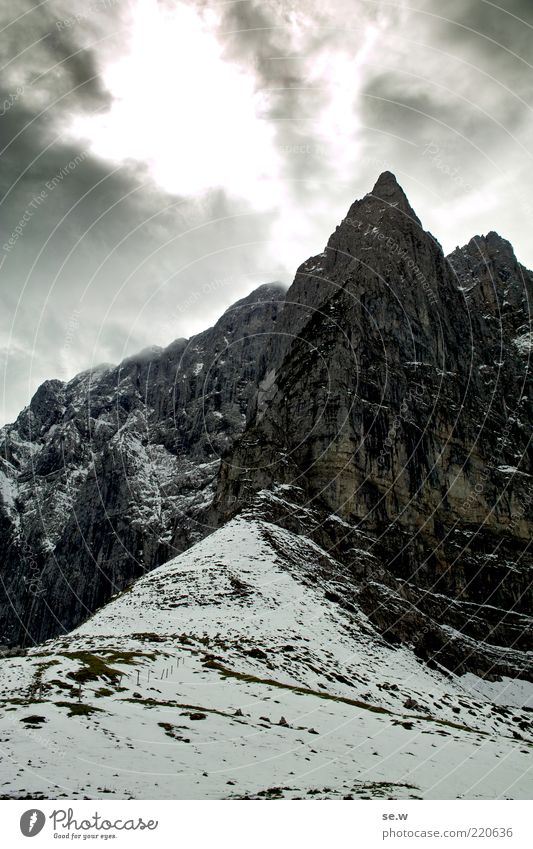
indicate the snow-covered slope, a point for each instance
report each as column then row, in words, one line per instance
column 239, row 670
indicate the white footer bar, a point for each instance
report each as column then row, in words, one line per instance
column 268, row 824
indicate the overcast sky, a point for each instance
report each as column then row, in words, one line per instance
column 158, row 160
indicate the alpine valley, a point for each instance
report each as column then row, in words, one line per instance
column 288, row 557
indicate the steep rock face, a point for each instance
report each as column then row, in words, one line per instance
column 106, row 476
column 403, row 406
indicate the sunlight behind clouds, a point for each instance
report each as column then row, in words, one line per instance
column 194, row 118
column 342, row 74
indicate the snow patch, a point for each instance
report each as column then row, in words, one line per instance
column 524, row 343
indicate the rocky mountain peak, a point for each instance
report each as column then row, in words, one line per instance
column 386, row 182
column 381, row 227
column 491, row 246
column 493, row 281
column 395, row 392
column 497, row 242
column 379, row 252
column 373, row 507
column 388, row 189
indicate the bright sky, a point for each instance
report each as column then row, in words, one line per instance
column 178, row 105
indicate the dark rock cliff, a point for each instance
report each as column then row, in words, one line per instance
column 109, row 475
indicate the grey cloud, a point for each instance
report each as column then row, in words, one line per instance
column 486, row 25
column 81, row 69
column 419, row 110
column 50, row 63
column 441, row 66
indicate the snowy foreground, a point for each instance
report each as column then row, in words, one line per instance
column 229, row 673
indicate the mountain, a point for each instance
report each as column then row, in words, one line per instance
column 106, row 476
column 340, row 479
column 243, row 668
column 403, row 405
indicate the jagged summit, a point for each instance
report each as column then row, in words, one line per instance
column 379, row 243
column 493, row 280
column 386, row 177
column 491, row 243
column 495, row 238
column 388, row 190
column 386, row 184
column 265, row 293
column 484, row 249
column 382, row 228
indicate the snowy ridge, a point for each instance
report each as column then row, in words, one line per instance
column 232, row 672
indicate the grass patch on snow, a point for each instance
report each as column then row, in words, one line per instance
column 158, row 703
column 294, row 688
column 96, row 666
column 78, row 708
